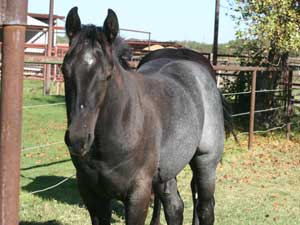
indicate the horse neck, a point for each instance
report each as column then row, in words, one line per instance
column 121, row 90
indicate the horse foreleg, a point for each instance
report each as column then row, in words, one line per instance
column 99, row 209
column 137, row 202
column 156, row 211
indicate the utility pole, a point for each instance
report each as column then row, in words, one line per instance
column 216, row 33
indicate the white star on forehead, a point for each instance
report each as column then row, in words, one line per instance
column 89, row 58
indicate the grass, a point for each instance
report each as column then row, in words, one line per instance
column 258, row 187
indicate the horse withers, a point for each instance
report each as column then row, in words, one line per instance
column 131, row 132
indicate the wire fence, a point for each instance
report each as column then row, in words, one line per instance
column 31, row 148
column 43, row 105
column 26, row 149
column 258, row 111
column 53, row 186
column 280, row 104
column 249, row 92
column 264, row 131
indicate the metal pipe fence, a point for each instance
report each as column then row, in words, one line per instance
column 287, row 90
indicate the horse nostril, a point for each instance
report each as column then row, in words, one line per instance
column 67, row 138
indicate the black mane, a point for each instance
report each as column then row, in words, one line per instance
column 122, row 51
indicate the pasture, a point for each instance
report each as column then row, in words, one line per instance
column 258, row 187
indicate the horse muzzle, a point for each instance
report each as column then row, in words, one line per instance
column 79, row 144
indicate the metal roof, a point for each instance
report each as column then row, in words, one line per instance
column 44, row 16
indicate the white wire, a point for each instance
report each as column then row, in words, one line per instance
column 41, row 146
column 53, row 186
column 258, row 91
column 43, row 105
column 257, row 111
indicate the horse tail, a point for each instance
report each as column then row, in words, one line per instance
column 228, row 124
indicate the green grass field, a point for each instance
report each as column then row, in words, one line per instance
column 253, row 188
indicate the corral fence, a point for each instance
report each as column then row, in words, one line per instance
column 36, row 66
column 286, row 87
column 222, row 71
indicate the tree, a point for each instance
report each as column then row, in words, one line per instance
column 273, row 24
column 269, row 30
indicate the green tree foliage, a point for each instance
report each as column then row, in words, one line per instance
column 273, row 24
column 197, row 46
column 269, row 31
column 225, row 48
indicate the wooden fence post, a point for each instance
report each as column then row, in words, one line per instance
column 289, row 104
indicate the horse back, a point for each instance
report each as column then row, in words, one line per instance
column 167, row 55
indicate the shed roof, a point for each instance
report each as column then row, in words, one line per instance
column 45, row 16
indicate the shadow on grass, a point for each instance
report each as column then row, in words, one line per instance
column 50, row 99
column 51, row 222
column 65, row 193
column 44, row 165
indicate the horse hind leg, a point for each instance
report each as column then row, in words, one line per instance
column 204, row 170
column 171, row 200
column 195, row 199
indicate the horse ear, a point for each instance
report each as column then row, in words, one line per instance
column 111, row 26
column 73, row 24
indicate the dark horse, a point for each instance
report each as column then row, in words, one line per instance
column 133, row 132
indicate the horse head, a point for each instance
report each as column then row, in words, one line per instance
column 87, row 68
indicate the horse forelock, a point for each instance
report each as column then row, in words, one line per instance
column 94, row 34
column 88, row 33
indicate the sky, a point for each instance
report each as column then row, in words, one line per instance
column 167, row 20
